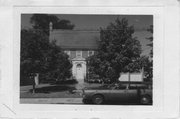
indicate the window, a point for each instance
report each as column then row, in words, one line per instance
column 79, row 66
column 90, row 53
column 67, row 52
column 78, row 54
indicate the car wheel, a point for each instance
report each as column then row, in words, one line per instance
column 145, row 99
column 97, row 99
column 85, row 101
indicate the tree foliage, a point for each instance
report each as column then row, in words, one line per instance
column 34, row 46
column 150, row 29
column 41, row 22
column 138, row 64
column 38, row 55
column 116, row 50
column 57, row 63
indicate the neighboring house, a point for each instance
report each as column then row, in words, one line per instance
column 79, row 45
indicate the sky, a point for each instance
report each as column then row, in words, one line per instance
column 94, row 22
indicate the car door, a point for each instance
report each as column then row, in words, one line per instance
column 132, row 94
column 118, row 94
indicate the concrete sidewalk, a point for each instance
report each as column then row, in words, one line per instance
column 51, row 101
column 28, row 87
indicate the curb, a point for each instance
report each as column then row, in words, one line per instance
column 51, row 101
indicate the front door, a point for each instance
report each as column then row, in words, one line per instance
column 79, row 73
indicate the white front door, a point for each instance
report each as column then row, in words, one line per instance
column 79, row 72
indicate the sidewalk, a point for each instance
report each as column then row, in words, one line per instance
column 51, row 101
column 54, row 91
column 28, row 87
column 78, row 86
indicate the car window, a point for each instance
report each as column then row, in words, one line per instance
column 133, row 87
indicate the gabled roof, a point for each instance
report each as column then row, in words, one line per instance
column 75, row 39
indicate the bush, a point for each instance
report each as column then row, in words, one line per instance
column 71, row 81
column 26, row 81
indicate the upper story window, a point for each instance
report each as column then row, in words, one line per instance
column 67, row 52
column 90, row 53
column 79, row 54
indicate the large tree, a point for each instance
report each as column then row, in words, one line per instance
column 34, row 46
column 117, row 48
column 57, row 63
column 141, row 62
column 41, row 22
column 38, row 55
column 150, row 29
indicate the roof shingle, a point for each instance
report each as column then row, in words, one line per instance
column 74, row 39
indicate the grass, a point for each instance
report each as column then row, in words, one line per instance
column 49, row 91
column 64, row 94
column 54, row 88
column 52, row 91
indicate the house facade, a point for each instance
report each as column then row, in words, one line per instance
column 79, row 45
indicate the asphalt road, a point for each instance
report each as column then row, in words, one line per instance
column 51, row 101
column 66, row 101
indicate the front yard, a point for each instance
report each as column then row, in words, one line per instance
column 53, row 91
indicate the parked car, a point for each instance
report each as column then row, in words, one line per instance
column 117, row 92
column 107, row 81
column 94, row 81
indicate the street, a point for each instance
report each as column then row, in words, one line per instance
column 51, row 101
column 68, row 101
column 52, row 94
column 60, row 94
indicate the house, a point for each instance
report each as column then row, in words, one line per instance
column 79, row 45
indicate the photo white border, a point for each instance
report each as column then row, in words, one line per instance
column 158, row 55
column 162, row 105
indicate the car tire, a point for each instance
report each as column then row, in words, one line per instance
column 85, row 101
column 97, row 99
column 145, row 99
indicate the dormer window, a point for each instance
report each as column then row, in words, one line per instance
column 90, row 53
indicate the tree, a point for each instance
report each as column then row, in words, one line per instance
column 150, row 29
column 141, row 62
column 34, row 46
column 41, row 22
column 116, row 49
column 38, row 55
column 58, row 64
column 144, row 61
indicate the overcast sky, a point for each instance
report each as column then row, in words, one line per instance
column 140, row 23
